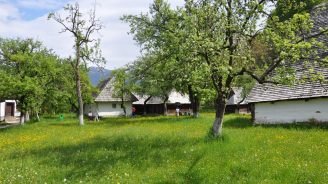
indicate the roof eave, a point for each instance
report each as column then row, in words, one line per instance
column 290, row 99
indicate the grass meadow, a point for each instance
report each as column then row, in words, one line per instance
column 162, row 150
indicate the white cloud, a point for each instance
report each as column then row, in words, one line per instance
column 117, row 46
column 8, row 12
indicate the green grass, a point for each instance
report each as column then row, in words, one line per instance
column 162, row 150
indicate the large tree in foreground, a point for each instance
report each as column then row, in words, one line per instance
column 221, row 35
column 86, row 47
column 32, row 75
column 166, row 61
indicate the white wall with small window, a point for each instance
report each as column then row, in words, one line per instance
column 108, row 109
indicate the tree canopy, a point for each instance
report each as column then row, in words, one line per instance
column 32, row 75
column 218, row 40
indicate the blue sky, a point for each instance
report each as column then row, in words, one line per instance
column 31, row 9
column 28, row 19
column 30, row 13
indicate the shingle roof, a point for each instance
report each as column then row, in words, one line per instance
column 270, row 92
column 320, row 17
column 174, row 97
column 309, row 89
column 106, row 93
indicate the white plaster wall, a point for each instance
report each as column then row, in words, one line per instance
column 292, row 111
column 2, row 111
column 16, row 113
column 106, row 109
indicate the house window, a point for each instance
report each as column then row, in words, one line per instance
column 114, row 106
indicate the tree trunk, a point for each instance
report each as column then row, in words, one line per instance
column 195, row 108
column 96, row 113
column 165, row 105
column 22, row 118
column 37, row 116
column 27, row 116
column 78, row 83
column 218, row 122
column 194, row 101
column 79, row 96
column 74, row 108
column 123, row 106
column 145, row 108
column 145, row 105
column 237, row 111
column 253, row 112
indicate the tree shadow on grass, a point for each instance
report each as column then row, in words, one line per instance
column 141, row 120
column 245, row 122
column 123, row 121
column 57, row 116
column 100, row 155
column 238, row 122
column 192, row 176
column 297, row 126
column 7, row 127
column 64, row 124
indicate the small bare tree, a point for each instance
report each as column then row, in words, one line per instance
column 86, row 47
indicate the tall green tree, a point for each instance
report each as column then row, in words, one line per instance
column 220, row 35
column 157, row 34
column 86, row 47
column 29, row 73
column 152, row 79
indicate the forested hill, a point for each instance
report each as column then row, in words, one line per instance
column 96, row 75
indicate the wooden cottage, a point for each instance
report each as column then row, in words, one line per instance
column 288, row 104
column 106, row 104
column 8, row 110
column 155, row 105
column 302, row 102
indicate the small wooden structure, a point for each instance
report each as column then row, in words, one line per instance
column 106, row 104
column 8, row 110
column 302, row 102
column 155, row 105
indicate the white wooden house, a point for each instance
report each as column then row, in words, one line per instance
column 8, row 108
column 302, row 102
column 289, row 104
column 155, row 104
column 108, row 105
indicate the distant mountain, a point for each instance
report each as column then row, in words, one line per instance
column 97, row 75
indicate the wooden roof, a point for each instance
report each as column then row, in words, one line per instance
column 309, row 89
column 271, row 92
column 107, row 93
column 174, row 97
